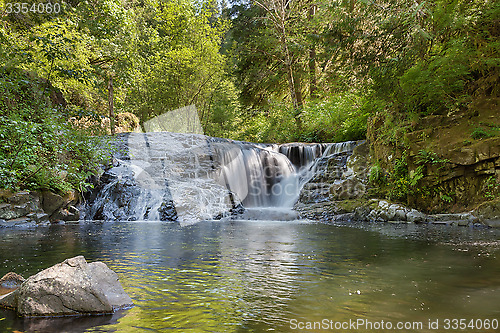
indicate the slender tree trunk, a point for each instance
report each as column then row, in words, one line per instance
column 111, row 105
column 298, row 91
column 295, row 93
column 313, row 85
column 300, row 103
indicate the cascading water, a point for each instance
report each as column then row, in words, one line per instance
column 191, row 177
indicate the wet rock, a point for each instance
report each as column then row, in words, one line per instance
column 339, row 175
column 19, row 198
column 24, row 222
column 415, row 216
column 51, row 202
column 72, row 287
column 6, row 211
column 350, row 188
column 383, row 204
column 9, row 211
column 492, row 223
column 459, row 219
column 488, row 213
column 11, row 280
column 237, row 209
column 39, row 218
column 70, row 214
column 115, row 195
column 167, row 211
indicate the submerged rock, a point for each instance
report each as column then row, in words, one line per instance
column 11, row 280
column 72, row 287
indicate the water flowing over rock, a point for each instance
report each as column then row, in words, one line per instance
column 72, row 287
column 191, row 177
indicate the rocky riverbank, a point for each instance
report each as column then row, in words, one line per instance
column 340, row 190
column 28, row 209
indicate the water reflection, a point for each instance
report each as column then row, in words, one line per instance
column 241, row 276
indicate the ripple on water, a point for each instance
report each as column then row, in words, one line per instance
column 238, row 276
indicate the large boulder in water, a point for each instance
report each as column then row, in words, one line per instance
column 73, row 287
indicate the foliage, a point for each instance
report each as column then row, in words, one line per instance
column 176, row 59
column 377, row 176
column 266, row 71
column 40, row 150
column 481, row 133
column 343, row 117
column 491, row 188
column 429, row 157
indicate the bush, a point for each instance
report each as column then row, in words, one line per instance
column 343, row 117
column 40, row 149
column 480, row 133
column 377, row 175
column 435, row 86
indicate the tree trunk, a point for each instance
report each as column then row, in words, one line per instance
column 295, row 93
column 111, row 105
column 313, row 85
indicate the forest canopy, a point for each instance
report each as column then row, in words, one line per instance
column 263, row 70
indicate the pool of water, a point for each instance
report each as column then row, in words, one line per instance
column 248, row 276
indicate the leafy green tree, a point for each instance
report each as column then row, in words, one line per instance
column 177, row 61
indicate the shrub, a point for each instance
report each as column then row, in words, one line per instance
column 40, row 149
column 377, row 175
column 480, row 133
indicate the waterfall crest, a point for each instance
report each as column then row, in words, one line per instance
column 192, row 177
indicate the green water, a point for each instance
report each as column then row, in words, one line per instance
column 243, row 276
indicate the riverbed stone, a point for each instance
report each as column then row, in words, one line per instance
column 415, row 216
column 19, row 222
column 66, row 215
column 8, row 211
column 383, row 204
column 20, row 198
column 39, row 217
column 11, row 280
column 73, row 287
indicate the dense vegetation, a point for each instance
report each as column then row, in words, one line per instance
column 264, row 70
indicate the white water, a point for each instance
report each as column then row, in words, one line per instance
column 206, row 177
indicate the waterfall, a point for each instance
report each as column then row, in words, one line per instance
column 193, row 177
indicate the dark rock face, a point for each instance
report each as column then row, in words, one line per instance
column 51, row 202
column 338, row 177
column 21, row 209
column 72, row 287
column 167, row 211
column 116, row 198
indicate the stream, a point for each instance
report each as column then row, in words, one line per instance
column 264, row 276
